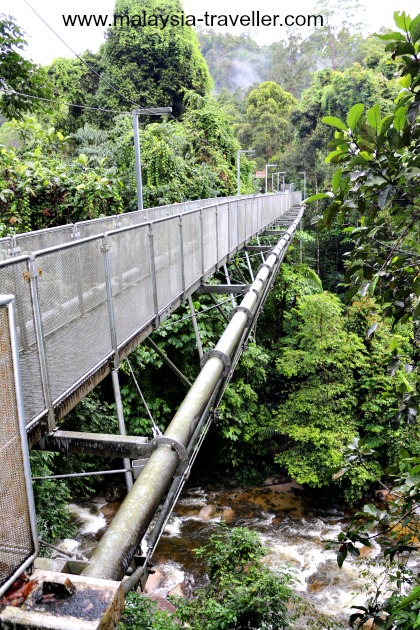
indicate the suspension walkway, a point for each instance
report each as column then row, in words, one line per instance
column 77, row 300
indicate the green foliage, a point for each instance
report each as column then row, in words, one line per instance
column 152, row 66
column 267, row 128
column 41, row 188
column 376, row 190
column 141, row 613
column 336, row 386
column 53, row 518
column 318, row 417
column 18, row 74
column 378, row 161
column 291, row 62
column 243, row 592
column 243, row 410
column 74, row 83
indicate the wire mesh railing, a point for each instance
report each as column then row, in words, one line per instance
column 79, row 302
column 18, row 537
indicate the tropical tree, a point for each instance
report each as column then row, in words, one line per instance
column 267, row 128
column 18, row 74
column 151, row 66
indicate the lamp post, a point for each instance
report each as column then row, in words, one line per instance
column 304, row 183
column 147, row 111
column 238, row 166
column 267, row 166
column 278, row 178
column 300, row 224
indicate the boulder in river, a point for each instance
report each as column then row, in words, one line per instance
column 153, row 581
column 207, row 512
column 228, row 515
column 162, row 603
column 177, row 591
column 109, row 510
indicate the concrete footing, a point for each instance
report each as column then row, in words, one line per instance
column 59, row 601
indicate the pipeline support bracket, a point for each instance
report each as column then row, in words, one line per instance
column 269, row 267
column 220, row 355
column 243, row 309
column 176, row 446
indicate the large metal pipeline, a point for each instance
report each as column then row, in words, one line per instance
column 117, row 547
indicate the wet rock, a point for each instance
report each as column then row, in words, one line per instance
column 207, row 512
column 109, row 510
column 177, row 591
column 365, row 551
column 316, row 583
column 270, row 481
column 162, row 603
column 153, row 581
column 381, row 495
column 69, row 546
column 115, row 491
column 228, row 515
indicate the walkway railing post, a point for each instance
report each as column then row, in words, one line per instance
column 46, row 388
column 153, row 272
column 181, row 244
column 116, row 361
column 202, row 241
column 217, row 233
column 195, row 325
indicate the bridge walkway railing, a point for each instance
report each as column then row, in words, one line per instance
column 83, row 302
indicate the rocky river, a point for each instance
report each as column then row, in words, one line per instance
column 291, row 524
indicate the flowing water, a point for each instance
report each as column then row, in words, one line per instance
column 290, row 524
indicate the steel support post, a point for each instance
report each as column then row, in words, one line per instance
column 196, row 331
column 251, row 273
column 241, row 275
column 181, row 244
column 219, row 308
column 169, row 363
column 19, row 311
column 261, row 254
column 46, row 388
column 232, row 299
column 121, row 424
column 202, row 241
column 153, row 273
column 116, row 362
column 79, row 281
column 217, row 233
column 138, row 161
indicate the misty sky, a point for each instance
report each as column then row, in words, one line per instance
column 43, row 46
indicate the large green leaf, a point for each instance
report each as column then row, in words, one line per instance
column 400, row 118
column 402, row 20
column 327, row 195
column 394, row 35
column 374, row 117
column 333, row 121
column 354, row 115
column 335, row 182
column 334, row 154
column 414, row 29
